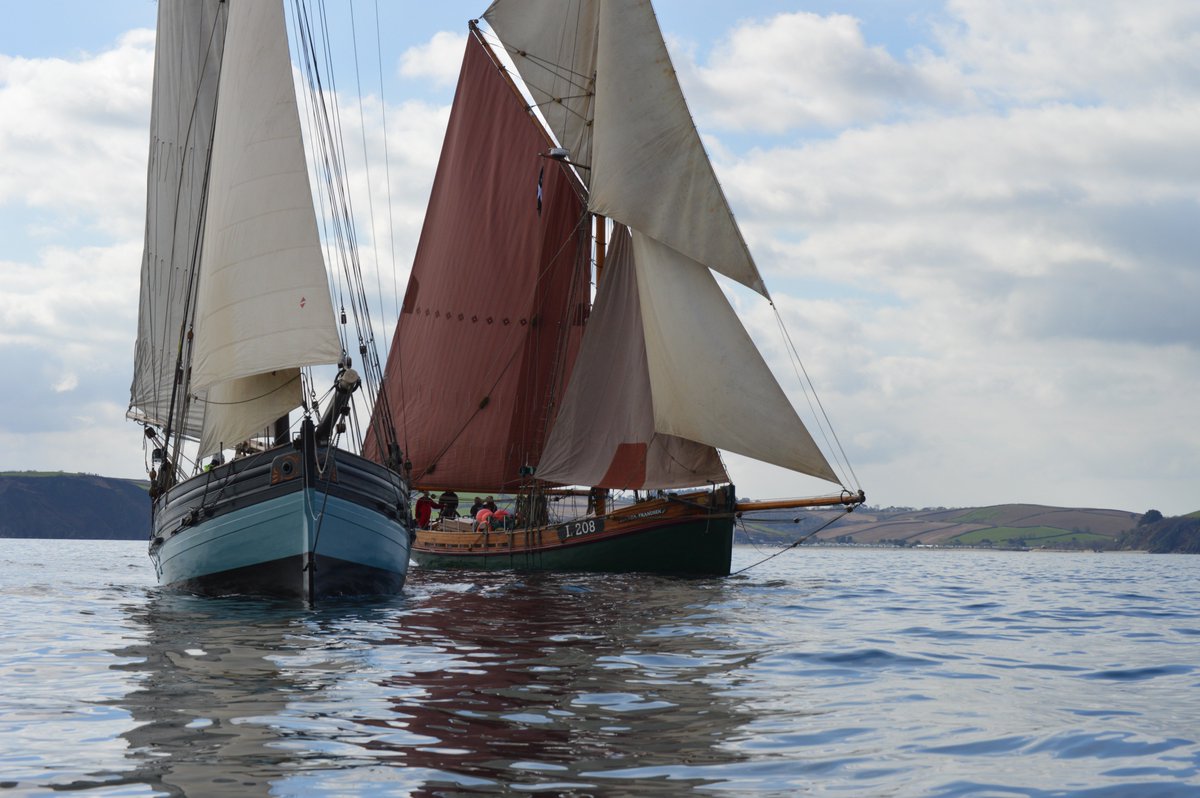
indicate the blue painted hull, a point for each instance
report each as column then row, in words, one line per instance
column 265, row 549
column 292, row 522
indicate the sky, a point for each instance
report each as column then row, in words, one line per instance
column 979, row 221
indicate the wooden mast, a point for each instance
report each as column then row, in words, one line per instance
column 600, row 495
column 601, row 245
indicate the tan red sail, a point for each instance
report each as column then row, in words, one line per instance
column 498, row 292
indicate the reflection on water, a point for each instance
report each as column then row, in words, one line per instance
column 832, row 671
column 209, row 693
column 468, row 681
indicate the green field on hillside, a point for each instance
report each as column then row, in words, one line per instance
column 1029, row 535
column 981, row 515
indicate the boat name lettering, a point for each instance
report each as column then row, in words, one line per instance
column 636, row 516
column 576, row 529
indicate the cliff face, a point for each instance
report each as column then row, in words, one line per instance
column 81, row 506
column 1168, row 535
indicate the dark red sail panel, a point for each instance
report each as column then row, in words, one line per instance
column 493, row 312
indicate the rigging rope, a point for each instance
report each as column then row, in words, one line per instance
column 387, row 167
column 330, row 159
column 362, row 124
column 806, row 384
column 821, row 528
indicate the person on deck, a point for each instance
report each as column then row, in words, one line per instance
column 476, row 507
column 500, row 519
column 424, row 510
column 490, row 503
column 448, row 504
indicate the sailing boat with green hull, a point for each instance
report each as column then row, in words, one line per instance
column 507, row 376
column 235, row 306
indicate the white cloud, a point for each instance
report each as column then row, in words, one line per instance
column 437, row 60
column 73, row 134
column 989, row 267
column 1007, row 217
column 802, row 70
column 1098, row 51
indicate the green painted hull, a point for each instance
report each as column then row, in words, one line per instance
column 700, row 547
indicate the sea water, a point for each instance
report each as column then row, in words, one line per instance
column 858, row 672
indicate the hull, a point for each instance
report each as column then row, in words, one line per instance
column 274, row 524
column 690, row 535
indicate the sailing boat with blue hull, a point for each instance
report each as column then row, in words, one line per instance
column 235, row 307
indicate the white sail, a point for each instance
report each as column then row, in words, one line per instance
column 708, row 380
column 238, row 409
column 552, row 43
column 667, row 371
column 187, row 64
column 263, row 303
column 649, row 168
column 605, row 434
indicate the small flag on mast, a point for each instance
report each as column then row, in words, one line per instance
column 541, row 174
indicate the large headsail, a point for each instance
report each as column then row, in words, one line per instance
column 649, row 168
column 187, row 64
column 497, row 295
column 262, row 308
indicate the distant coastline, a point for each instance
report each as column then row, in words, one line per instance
column 38, row 504
column 1018, row 527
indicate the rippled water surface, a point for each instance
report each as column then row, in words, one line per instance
column 823, row 671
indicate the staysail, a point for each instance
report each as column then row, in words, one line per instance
column 262, row 308
column 187, row 64
column 497, row 296
column 605, row 435
column 685, row 377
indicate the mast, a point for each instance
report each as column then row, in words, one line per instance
column 601, row 235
